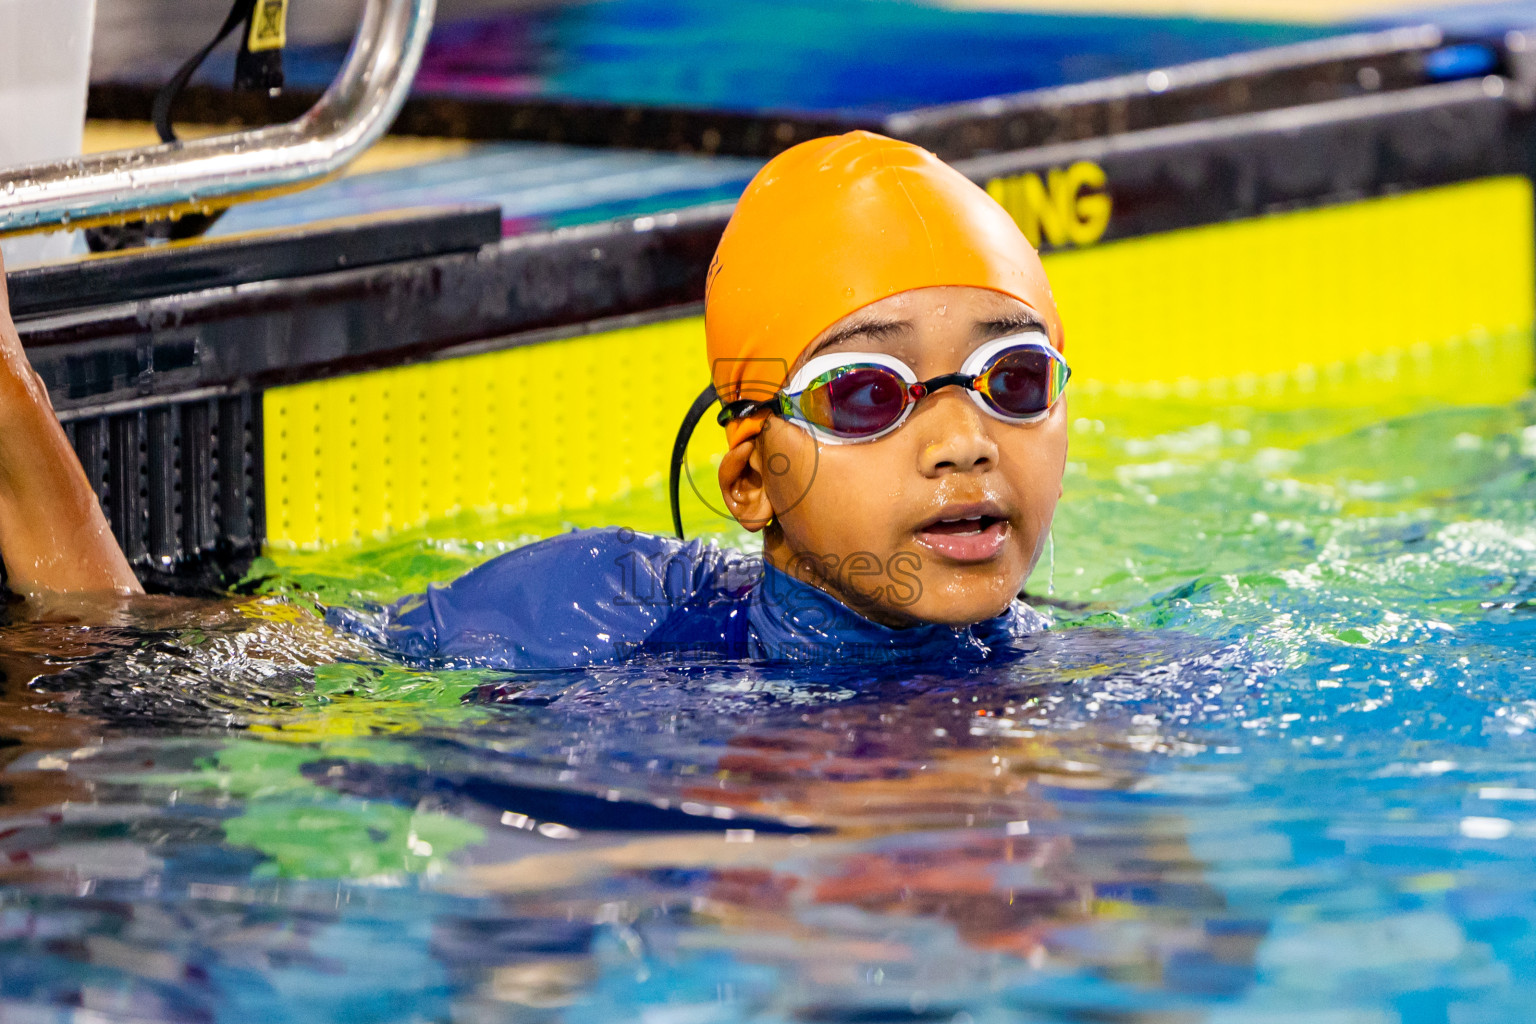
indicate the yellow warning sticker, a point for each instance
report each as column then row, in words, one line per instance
column 269, row 26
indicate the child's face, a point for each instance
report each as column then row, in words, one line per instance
column 940, row 521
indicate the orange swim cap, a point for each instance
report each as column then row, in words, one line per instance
column 834, row 224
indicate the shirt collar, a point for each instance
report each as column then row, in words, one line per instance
column 794, row 621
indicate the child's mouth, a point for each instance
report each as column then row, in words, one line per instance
column 965, row 538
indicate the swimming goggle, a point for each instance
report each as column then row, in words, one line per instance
column 852, row 397
column 848, row 398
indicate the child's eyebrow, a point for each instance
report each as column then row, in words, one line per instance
column 877, row 330
column 883, row 330
column 1013, row 323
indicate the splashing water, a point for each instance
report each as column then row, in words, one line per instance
column 1275, row 764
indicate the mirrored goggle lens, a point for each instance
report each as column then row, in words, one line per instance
column 855, row 401
column 1023, row 382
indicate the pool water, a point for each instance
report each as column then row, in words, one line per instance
column 1276, row 764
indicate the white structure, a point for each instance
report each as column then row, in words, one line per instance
column 45, row 67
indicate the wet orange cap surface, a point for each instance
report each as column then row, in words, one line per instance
column 834, row 224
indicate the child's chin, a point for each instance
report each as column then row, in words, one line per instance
column 965, row 601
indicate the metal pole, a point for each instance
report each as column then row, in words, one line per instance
column 210, row 173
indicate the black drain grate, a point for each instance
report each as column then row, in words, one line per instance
column 180, row 482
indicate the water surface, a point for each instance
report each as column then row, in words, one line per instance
column 1275, row 764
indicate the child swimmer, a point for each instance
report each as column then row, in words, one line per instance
column 886, row 350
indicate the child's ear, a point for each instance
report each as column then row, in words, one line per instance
column 741, row 483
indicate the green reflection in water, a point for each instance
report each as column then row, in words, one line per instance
column 1375, row 507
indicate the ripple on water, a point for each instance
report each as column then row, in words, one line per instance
column 1275, row 765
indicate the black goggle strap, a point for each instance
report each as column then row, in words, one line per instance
column 737, row 411
column 731, row 411
column 696, row 412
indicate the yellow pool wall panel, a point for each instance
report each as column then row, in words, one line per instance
column 528, row 430
column 1270, row 309
column 1243, row 301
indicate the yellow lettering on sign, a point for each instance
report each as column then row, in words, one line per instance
column 1068, row 207
column 269, row 27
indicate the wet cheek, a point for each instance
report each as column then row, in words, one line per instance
column 789, row 481
column 852, row 484
column 857, row 496
column 789, row 466
column 1034, row 466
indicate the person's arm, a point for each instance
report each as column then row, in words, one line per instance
column 54, row 538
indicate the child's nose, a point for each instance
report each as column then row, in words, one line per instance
column 955, row 435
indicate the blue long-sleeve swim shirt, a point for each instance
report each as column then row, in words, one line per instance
column 600, row 597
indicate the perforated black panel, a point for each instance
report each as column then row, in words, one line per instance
column 181, row 486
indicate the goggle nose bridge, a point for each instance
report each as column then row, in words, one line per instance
column 923, row 388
